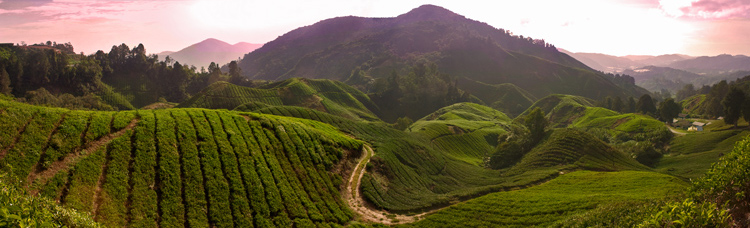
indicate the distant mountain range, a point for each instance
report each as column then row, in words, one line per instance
column 617, row 64
column 210, row 50
column 477, row 55
column 669, row 72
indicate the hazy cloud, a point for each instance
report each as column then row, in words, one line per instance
column 20, row 4
column 718, row 9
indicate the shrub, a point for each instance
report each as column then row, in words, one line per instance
column 19, row 210
column 688, row 214
column 727, row 183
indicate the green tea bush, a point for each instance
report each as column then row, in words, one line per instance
column 727, row 184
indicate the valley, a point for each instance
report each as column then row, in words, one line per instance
column 425, row 119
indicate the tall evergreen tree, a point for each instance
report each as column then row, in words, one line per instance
column 630, row 105
column 536, row 122
column 617, row 104
column 234, row 73
column 732, row 104
column 646, row 105
column 4, row 82
column 668, row 110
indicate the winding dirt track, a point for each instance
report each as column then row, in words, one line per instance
column 675, row 131
column 357, row 203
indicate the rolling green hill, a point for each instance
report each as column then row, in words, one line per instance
column 691, row 155
column 319, row 94
column 438, row 160
column 576, row 150
column 695, row 104
column 178, row 167
column 579, row 112
column 466, row 131
column 543, row 205
column 506, row 97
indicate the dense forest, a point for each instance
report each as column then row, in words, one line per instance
column 123, row 78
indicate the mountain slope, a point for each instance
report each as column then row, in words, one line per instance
column 655, row 78
column 460, row 47
column 705, row 64
column 603, row 62
column 210, row 50
column 618, row 64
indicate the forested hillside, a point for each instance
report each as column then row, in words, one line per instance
column 479, row 57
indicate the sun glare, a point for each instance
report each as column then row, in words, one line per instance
column 225, row 14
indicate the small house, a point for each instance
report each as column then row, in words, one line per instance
column 697, row 126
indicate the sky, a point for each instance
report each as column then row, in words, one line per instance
column 615, row 27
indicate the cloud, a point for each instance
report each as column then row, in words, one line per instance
column 706, row 9
column 20, row 4
column 718, row 9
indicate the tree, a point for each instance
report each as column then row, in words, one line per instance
column 668, row 110
column 402, row 123
column 645, row 105
column 536, row 122
column 732, row 104
column 718, row 92
column 686, row 91
column 607, row 102
column 630, row 105
column 746, row 108
column 617, row 104
column 5, row 82
column 234, row 73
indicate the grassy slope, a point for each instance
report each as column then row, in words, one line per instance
column 506, row 97
column 694, row 104
column 574, row 149
column 555, row 200
column 257, row 170
column 692, row 154
column 466, row 131
column 323, row 95
column 578, row 112
column 411, row 173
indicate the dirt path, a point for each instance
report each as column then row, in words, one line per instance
column 42, row 176
column 675, row 131
column 357, row 204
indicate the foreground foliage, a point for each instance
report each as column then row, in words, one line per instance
column 19, row 210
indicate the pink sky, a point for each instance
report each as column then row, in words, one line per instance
column 616, row 27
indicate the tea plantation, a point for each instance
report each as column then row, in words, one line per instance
column 324, row 95
column 178, row 167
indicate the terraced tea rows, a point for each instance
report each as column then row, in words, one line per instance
column 543, row 205
column 328, row 96
column 411, row 173
column 179, row 167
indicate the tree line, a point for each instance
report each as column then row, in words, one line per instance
column 667, row 110
column 56, row 72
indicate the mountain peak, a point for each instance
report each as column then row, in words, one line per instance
column 211, row 42
column 429, row 12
